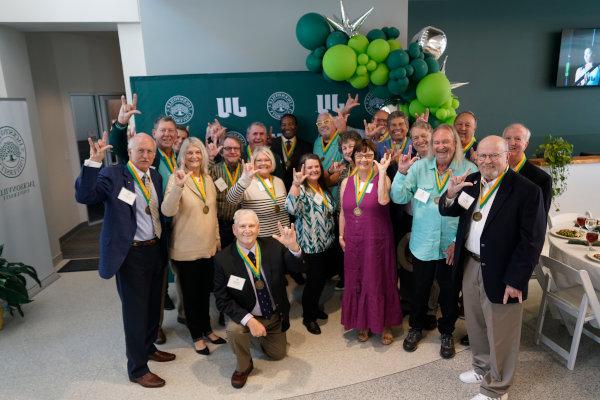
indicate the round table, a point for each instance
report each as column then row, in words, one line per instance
column 574, row 255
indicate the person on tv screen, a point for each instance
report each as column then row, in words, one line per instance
column 589, row 73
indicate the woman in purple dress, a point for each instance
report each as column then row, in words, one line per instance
column 371, row 302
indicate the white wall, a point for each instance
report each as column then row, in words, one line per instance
column 64, row 63
column 583, row 190
column 70, row 11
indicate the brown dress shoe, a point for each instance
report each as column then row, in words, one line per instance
column 238, row 379
column 149, row 380
column 160, row 337
column 161, row 356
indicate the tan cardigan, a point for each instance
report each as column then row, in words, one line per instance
column 194, row 234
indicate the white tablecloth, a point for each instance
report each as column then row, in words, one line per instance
column 574, row 255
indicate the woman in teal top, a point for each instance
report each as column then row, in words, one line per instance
column 422, row 183
column 314, row 208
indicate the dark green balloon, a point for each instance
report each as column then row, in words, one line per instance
column 386, row 32
column 312, row 30
column 414, row 50
column 393, row 32
column 336, row 37
column 397, row 58
column 420, row 69
column 397, row 87
column 319, row 52
column 432, row 65
column 400, row 73
column 313, row 63
column 380, row 91
column 409, row 70
column 376, row 34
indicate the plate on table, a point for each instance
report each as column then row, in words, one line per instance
column 593, row 256
column 567, row 233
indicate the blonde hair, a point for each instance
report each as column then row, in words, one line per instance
column 264, row 150
column 195, row 142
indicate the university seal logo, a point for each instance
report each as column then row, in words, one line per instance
column 180, row 108
column 280, row 103
column 12, row 152
column 373, row 104
column 239, row 136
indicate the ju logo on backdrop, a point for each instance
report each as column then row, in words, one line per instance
column 230, row 105
column 180, row 108
column 12, row 152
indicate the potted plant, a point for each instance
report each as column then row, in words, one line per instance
column 13, row 285
column 556, row 152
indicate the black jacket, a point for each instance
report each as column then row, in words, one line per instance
column 540, row 178
column 276, row 259
column 301, row 149
column 512, row 238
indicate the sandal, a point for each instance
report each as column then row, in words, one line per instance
column 387, row 337
column 363, row 335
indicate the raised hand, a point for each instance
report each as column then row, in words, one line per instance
column 424, row 117
column 350, row 104
column 372, row 130
column 383, row 165
column 299, row 176
column 336, row 168
column 98, row 149
column 181, row 177
column 213, row 150
column 405, row 161
column 127, row 110
column 215, row 131
column 340, row 122
column 287, row 237
column 248, row 170
column 457, row 183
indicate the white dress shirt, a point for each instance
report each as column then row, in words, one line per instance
column 474, row 235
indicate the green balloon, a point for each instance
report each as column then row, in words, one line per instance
column 447, row 104
column 409, row 70
column 394, row 44
column 378, row 50
column 455, row 103
column 361, row 70
column 450, row 120
column 362, row 59
column 381, row 75
column 393, row 32
column 336, row 37
column 371, row 65
column 451, row 112
column 404, row 108
column 416, row 108
column 414, row 50
column 397, row 86
column 400, row 73
column 376, row 34
column 432, row 65
column 441, row 114
column 319, row 52
column 420, row 69
column 359, row 43
column 359, row 81
column 312, row 30
column 434, row 90
column 397, row 58
column 339, row 62
column 381, row 92
column 313, row 63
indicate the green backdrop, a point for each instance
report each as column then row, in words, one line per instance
column 237, row 99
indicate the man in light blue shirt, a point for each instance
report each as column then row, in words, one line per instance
column 422, row 183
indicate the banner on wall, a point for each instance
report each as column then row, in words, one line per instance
column 22, row 218
column 237, row 99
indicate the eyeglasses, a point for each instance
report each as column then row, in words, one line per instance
column 325, row 122
column 231, row 148
column 492, row 156
column 360, row 156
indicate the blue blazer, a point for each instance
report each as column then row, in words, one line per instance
column 96, row 185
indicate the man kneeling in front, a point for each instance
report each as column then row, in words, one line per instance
column 250, row 289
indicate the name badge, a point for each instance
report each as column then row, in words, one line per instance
column 465, row 200
column 422, row 196
column 127, row 196
column 220, row 184
column 235, row 282
column 260, row 187
column 318, row 198
column 369, row 188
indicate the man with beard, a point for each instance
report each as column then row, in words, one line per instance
column 289, row 147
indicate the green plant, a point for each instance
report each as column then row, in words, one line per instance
column 13, row 285
column 556, row 152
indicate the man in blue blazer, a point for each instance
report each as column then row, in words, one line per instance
column 500, row 236
column 131, row 244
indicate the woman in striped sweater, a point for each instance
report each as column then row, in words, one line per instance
column 261, row 192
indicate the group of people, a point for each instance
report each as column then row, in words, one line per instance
column 234, row 219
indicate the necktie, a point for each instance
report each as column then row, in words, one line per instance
column 153, row 206
column 288, row 145
column 264, row 300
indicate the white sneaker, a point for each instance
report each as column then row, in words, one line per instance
column 484, row 397
column 470, row 377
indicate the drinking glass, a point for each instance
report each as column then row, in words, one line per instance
column 591, row 237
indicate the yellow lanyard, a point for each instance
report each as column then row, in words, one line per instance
column 326, row 147
column 360, row 194
column 319, row 190
column 288, row 154
column 200, row 186
column 520, row 164
column 483, row 198
column 170, row 161
column 232, row 179
column 270, row 189
column 441, row 183
column 255, row 268
column 384, row 137
column 249, row 151
column 401, row 149
column 469, row 145
column 140, row 183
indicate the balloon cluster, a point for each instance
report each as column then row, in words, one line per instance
column 411, row 76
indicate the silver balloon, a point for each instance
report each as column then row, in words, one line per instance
column 345, row 24
column 432, row 39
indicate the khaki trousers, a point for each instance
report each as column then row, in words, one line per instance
column 494, row 333
column 273, row 345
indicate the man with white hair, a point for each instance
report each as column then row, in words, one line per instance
column 250, row 289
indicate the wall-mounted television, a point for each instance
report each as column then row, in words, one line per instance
column 579, row 59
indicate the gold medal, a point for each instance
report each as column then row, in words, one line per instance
column 436, row 200
column 477, row 216
column 259, row 284
column 205, row 210
column 148, row 210
column 357, row 212
column 277, row 208
column 322, row 158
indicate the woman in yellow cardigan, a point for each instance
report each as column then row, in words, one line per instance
column 191, row 199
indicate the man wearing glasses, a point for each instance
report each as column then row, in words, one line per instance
column 500, row 236
column 327, row 144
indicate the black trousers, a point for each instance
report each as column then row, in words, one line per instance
column 226, row 233
column 196, row 279
column 139, row 283
column 424, row 273
column 319, row 267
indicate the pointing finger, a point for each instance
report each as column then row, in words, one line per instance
column 134, row 103
column 123, row 101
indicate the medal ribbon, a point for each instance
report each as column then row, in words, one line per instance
column 270, row 189
column 469, row 145
column 384, row 137
column 288, row 154
column 200, row 186
column 232, row 179
column 249, row 151
column 139, row 182
column 320, row 191
column 255, row 268
column 441, row 183
column 360, row 194
column 326, row 147
column 520, row 164
column 170, row 161
column 486, row 196
column 403, row 145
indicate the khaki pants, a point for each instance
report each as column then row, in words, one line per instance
column 273, row 345
column 494, row 333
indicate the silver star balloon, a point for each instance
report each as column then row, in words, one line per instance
column 453, row 85
column 345, row 25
